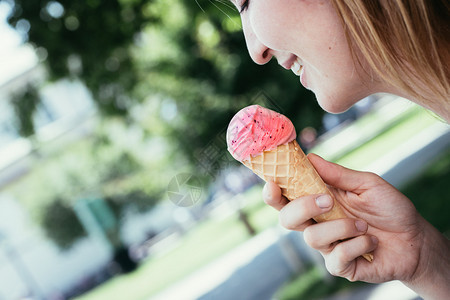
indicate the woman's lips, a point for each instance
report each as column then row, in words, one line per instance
column 303, row 80
column 295, row 64
column 298, row 69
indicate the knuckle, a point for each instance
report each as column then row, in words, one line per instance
column 292, row 217
column 349, row 227
column 286, row 221
column 372, row 176
column 338, row 264
column 367, row 242
column 308, row 237
column 340, row 253
column 281, row 219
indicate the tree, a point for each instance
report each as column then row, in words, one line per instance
column 115, row 48
column 183, row 63
column 88, row 40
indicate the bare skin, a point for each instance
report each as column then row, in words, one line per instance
column 405, row 246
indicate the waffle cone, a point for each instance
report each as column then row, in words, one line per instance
column 291, row 170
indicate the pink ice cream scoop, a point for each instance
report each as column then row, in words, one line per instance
column 255, row 129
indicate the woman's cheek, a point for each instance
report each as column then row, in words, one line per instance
column 279, row 32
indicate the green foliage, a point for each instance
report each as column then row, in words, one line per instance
column 313, row 285
column 190, row 52
column 25, row 104
column 61, row 224
column 89, row 40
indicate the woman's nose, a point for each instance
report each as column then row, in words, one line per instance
column 260, row 53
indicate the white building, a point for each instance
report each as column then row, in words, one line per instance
column 31, row 265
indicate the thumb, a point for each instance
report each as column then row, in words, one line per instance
column 339, row 176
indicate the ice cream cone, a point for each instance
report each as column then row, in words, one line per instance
column 292, row 171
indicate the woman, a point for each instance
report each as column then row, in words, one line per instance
column 344, row 51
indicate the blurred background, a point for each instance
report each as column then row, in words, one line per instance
column 115, row 182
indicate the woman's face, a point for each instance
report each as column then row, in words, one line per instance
column 306, row 36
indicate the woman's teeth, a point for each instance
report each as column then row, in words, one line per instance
column 297, row 67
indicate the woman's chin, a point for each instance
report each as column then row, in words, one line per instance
column 334, row 107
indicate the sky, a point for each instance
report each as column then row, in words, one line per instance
column 15, row 58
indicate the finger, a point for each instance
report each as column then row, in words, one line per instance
column 341, row 177
column 340, row 261
column 297, row 214
column 272, row 196
column 322, row 235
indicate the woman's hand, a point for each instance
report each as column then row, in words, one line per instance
column 381, row 219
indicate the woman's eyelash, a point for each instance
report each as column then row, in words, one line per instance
column 244, row 6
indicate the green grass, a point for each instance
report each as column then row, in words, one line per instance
column 205, row 242
column 313, row 285
column 201, row 245
column 430, row 193
column 301, row 286
column 400, row 132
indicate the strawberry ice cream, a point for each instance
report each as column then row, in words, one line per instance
column 255, row 129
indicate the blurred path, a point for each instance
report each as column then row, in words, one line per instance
column 264, row 274
column 220, row 272
column 402, row 164
column 259, row 267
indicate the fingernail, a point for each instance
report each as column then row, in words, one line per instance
column 374, row 240
column 361, row 225
column 324, row 201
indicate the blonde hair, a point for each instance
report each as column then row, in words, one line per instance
column 405, row 42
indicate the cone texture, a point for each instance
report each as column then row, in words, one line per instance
column 291, row 170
